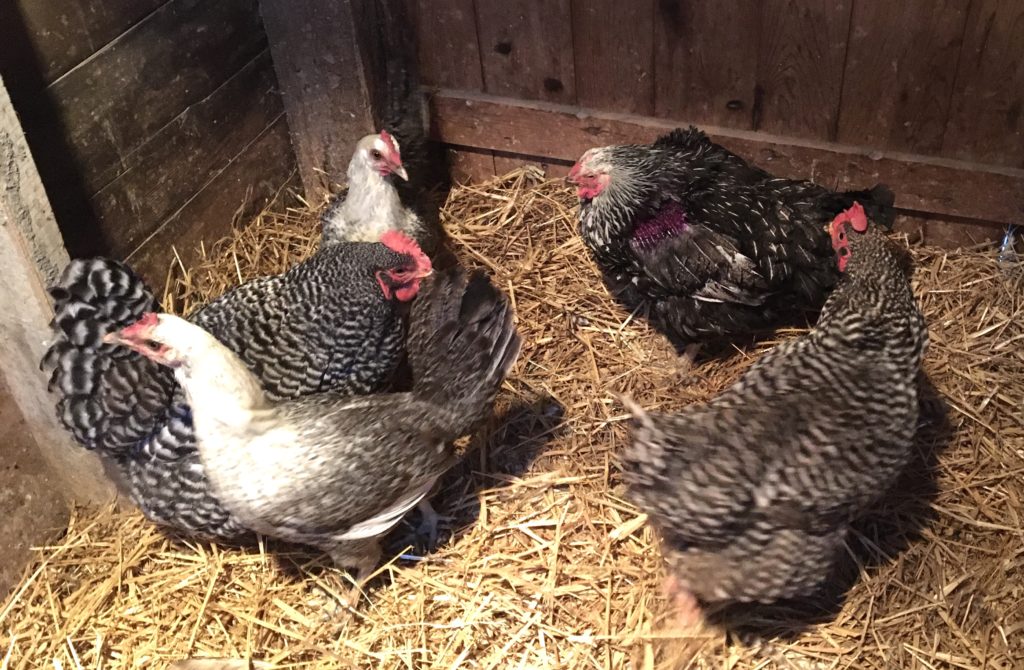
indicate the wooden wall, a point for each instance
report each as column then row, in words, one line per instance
column 151, row 121
column 927, row 93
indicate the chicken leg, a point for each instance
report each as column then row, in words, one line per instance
column 688, row 360
column 685, row 607
column 429, row 519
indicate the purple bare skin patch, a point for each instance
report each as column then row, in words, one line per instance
column 668, row 222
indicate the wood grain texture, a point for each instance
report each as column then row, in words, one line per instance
column 449, row 54
column 526, row 49
column 986, row 121
column 32, row 255
column 175, row 163
column 320, row 70
column 900, row 71
column 63, row 33
column 800, row 66
column 239, row 189
column 613, row 43
column 144, row 79
column 706, row 61
column 470, row 165
column 930, row 185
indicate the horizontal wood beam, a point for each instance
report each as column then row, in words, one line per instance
column 933, row 186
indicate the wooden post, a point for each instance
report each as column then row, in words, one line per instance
column 321, row 69
column 31, row 255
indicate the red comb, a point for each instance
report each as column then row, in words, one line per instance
column 386, row 137
column 401, row 243
column 149, row 320
column 857, row 217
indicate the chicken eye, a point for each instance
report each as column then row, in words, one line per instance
column 376, row 154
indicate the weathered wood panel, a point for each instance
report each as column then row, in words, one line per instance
column 930, row 185
column 319, row 68
column 706, row 61
column 526, row 49
column 447, row 47
column 66, row 32
column 176, row 161
column 900, row 71
column 142, row 80
column 32, row 255
column 470, row 165
column 986, row 121
column 614, row 46
column 800, row 66
column 242, row 186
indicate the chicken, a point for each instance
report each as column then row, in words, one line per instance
column 754, row 491
column 713, row 247
column 330, row 323
column 329, row 470
column 397, row 178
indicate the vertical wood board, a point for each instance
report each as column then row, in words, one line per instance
column 526, row 49
column 613, row 43
column 900, row 71
column 801, row 61
column 986, row 121
column 706, row 61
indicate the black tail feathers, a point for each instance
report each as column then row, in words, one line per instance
column 462, row 344
column 108, row 396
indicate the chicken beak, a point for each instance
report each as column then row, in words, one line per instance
column 400, row 171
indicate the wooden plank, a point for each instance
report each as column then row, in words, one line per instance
column 526, row 49
column 986, row 122
column 63, row 33
column 448, row 51
column 946, row 233
column 932, row 185
column 899, row 74
column 470, row 165
column 696, row 77
column 614, row 46
column 175, row 163
column 800, row 66
column 141, row 81
column 241, row 188
column 32, row 255
column 320, row 70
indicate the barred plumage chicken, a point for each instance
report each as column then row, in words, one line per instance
column 330, row 323
column 714, row 247
column 754, row 491
column 328, row 470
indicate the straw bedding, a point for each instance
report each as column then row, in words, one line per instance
column 542, row 564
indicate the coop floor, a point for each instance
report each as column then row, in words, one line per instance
column 31, row 506
column 541, row 563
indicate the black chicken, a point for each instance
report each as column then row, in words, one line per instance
column 712, row 246
column 329, row 323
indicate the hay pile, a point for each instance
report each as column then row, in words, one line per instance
column 544, row 564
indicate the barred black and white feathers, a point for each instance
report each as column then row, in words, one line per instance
column 713, row 246
column 324, row 324
column 333, row 471
column 753, row 491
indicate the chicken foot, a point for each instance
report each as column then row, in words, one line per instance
column 360, row 557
